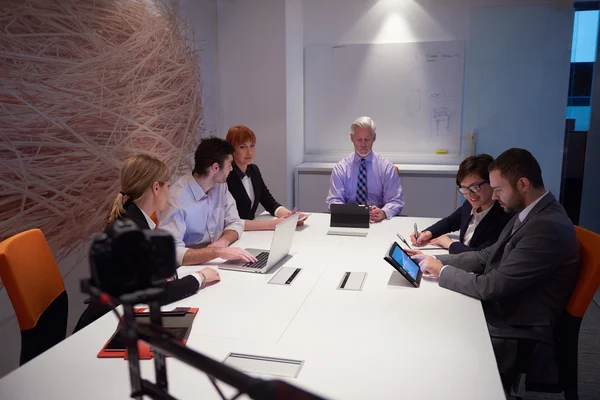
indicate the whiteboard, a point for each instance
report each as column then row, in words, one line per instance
column 413, row 92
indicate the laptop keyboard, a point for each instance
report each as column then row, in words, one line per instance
column 261, row 263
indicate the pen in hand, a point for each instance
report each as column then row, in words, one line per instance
column 405, row 242
column 416, row 232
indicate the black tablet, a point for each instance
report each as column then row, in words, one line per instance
column 117, row 344
column 402, row 262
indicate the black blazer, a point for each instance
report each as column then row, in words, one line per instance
column 262, row 194
column 486, row 233
column 174, row 290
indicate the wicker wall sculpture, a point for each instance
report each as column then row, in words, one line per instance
column 83, row 85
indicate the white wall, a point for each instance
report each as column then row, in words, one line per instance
column 252, row 80
column 294, row 74
column 201, row 15
column 517, row 61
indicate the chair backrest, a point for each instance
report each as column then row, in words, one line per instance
column 589, row 272
column 30, row 274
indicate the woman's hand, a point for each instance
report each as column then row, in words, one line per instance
column 442, row 241
column 209, row 276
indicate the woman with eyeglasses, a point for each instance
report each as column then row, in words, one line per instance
column 480, row 219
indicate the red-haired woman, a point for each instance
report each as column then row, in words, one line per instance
column 246, row 184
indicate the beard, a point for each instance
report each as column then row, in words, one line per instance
column 517, row 204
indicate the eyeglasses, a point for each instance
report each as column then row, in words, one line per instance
column 473, row 188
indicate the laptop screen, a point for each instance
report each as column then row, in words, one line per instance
column 405, row 262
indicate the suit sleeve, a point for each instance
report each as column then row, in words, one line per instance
column 459, row 247
column 534, row 257
column 180, row 289
column 446, row 225
column 473, row 261
column 266, row 198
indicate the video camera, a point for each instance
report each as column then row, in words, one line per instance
column 133, row 265
column 125, row 258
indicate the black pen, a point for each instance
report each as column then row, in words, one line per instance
column 405, row 242
column 416, row 232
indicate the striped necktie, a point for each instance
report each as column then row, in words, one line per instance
column 361, row 191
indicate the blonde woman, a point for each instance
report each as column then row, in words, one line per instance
column 145, row 191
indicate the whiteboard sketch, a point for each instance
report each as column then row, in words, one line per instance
column 441, row 118
column 413, row 91
column 439, row 95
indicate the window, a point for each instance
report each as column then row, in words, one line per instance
column 583, row 56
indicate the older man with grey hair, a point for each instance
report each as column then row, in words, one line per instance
column 365, row 177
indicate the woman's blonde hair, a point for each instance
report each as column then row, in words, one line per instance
column 138, row 174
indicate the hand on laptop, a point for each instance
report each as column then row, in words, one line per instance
column 285, row 213
column 376, row 214
column 301, row 218
column 236, row 253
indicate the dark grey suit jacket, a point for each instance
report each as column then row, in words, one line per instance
column 526, row 278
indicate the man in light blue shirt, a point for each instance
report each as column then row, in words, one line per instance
column 202, row 215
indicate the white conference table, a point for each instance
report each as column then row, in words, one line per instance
column 387, row 341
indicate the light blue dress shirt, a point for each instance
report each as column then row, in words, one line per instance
column 383, row 183
column 196, row 218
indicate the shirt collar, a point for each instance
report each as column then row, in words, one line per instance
column 195, row 187
column 368, row 158
column 151, row 223
column 239, row 172
column 523, row 214
column 481, row 214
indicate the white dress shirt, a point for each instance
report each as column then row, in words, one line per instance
column 476, row 218
column 247, row 182
column 523, row 214
column 151, row 223
column 195, row 218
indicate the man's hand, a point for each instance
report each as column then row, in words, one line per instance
column 376, row 214
column 221, row 243
column 235, row 253
column 442, row 241
column 424, row 238
column 413, row 252
column 429, row 264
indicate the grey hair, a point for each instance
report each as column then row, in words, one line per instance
column 363, row 122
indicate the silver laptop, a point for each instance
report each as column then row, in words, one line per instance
column 267, row 259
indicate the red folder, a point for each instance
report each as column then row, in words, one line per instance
column 145, row 353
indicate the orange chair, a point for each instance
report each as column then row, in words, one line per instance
column 568, row 330
column 36, row 290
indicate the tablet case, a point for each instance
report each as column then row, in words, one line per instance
column 145, row 353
